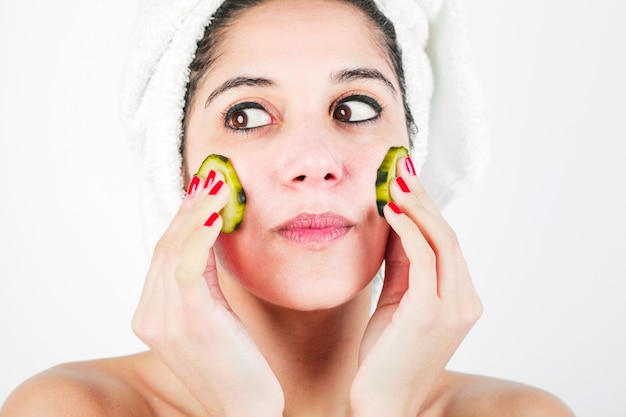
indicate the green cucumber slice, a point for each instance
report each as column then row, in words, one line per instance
column 387, row 173
column 232, row 213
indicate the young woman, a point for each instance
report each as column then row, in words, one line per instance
column 274, row 319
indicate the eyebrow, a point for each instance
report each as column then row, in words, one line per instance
column 342, row 76
column 348, row 75
column 238, row 82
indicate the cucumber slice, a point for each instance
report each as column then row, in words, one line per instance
column 232, row 213
column 387, row 173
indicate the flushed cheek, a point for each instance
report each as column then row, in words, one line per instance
column 246, row 251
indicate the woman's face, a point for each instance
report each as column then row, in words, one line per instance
column 305, row 103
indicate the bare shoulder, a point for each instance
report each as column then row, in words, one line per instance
column 91, row 388
column 463, row 395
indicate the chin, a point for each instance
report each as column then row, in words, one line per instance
column 323, row 294
column 304, row 283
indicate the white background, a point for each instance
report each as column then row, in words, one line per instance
column 544, row 232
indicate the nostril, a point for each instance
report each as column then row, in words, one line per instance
column 327, row 177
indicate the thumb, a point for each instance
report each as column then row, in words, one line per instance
column 396, row 272
column 196, row 270
column 210, row 277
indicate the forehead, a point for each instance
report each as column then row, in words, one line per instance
column 302, row 36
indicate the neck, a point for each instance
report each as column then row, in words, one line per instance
column 314, row 354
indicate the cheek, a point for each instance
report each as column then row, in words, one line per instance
column 246, row 252
column 361, row 172
column 227, row 249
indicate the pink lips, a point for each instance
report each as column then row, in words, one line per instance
column 315, row 230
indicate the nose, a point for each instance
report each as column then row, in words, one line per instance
column 312, row 159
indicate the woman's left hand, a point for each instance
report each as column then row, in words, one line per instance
column 427, row 306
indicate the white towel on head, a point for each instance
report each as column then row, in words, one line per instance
column 451, row 148
column 458, row 144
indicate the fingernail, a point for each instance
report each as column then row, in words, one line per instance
column 209, row 178
column 216, row 188
column 409, row 166
column 195, row 181
column 402, row 184
column 209, row 222
column 394, row 207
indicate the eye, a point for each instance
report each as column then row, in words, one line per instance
column 246, row 116
column 357, row 108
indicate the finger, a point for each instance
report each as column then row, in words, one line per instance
column 198, row 182
column 175, row 242
column 422, row 274
column 202, row 231
column 196, row 261
column 196, row 280
column 437, row 232
column 209, row 200
column 212, row 185
column 194, row 211
column 406, row 171
column 192, row 264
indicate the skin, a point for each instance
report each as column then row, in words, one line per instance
column 261, row 323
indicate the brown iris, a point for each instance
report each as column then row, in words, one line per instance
column 239, row 119
column 342, row 112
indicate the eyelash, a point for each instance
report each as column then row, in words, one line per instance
column 378, row 108
column 227, row 114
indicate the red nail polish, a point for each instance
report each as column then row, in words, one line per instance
column 193, row 185
column 209, row 222
column 394, row 207
column 216, row 188
column 409, row 166
column 209, row 179
column 402, row 184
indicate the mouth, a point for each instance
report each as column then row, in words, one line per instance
column 315, row 231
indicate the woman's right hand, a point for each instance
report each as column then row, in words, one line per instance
column 184, row 318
